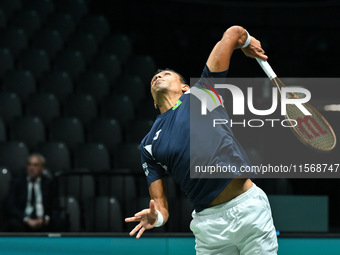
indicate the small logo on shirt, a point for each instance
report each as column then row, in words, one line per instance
column 178, row 103
column 157, row 134
column 145, row 168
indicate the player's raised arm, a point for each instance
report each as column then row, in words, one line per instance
column 157, row 214
column 233, row 38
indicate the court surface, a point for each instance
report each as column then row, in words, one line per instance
column 146, row 245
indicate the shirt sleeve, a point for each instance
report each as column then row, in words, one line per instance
column 208, row 74
column 152, row 169
column 210, row 78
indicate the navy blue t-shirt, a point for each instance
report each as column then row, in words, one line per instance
column 166, row 148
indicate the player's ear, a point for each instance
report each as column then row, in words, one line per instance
column 185, row 88
column 156, row 105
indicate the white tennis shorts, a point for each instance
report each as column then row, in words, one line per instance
column 243, row 225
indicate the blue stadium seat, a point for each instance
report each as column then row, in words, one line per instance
column 83, row 107
column 28, row 20
column 137, row 130
column 107, row 64
column 71, row 213
column 93, row 156
column 118, row 45
column 5, row 179
column 94, row 84
column 3, row 133
column 122, row 187
column 20, row 82
column 67, row 130
column 35, row 61
column 132, row 86
column 143, row 66
column 13, row 155
column 27, row 129
column 70, row 61
column 14, row 39
column 6, row 61
column 58, row 83
column 81, row 187
column 146, row 109
column 42, row 7
column 3, row 20
column 61, row 22
column 85, row 43
column 128, row 156
column 49, row 41
column 106, row 131
column 44, row 106
column 110, row 219
column 141, row 185
column 57, row 155
column 8, row 6
column 96, row 25
column 76, row 8
column 118, row 107
column 10, row 106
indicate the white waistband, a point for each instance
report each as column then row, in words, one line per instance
column 235, row 201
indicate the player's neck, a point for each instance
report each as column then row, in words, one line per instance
column 166, row 102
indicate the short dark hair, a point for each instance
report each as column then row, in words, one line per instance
column 182, row 79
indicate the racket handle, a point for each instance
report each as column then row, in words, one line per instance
column 266, row 68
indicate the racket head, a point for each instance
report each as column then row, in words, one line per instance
column 312, row 130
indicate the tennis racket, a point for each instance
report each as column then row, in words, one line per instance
column 312, row 130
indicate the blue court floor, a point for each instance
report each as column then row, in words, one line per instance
column 146, row 245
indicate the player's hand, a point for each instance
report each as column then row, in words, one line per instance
column 254, row 49
column 35, row 223
column 147, row 219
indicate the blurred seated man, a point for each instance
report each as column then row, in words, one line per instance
column 32, row 202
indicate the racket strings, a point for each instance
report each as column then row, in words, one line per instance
column 313, row 129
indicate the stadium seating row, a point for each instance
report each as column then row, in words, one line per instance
column 112, row 196
column 94, row 156
column 81, row 106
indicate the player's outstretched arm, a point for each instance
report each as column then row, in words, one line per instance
column 148, row 218
column 233, row 38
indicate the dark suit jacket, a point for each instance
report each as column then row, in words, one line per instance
column 17, row 198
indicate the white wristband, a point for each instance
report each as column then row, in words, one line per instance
column 247, row 40
column 159, row 219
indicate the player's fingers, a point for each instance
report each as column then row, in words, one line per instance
column 263, row 56
column 133, row 231
column 132, row 219
column 140, row 233
column 142, row 213
column 152, row 207
column 259, row 50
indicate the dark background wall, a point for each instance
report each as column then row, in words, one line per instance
column 300, row 37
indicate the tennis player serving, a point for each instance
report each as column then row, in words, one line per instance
column 231, row 216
